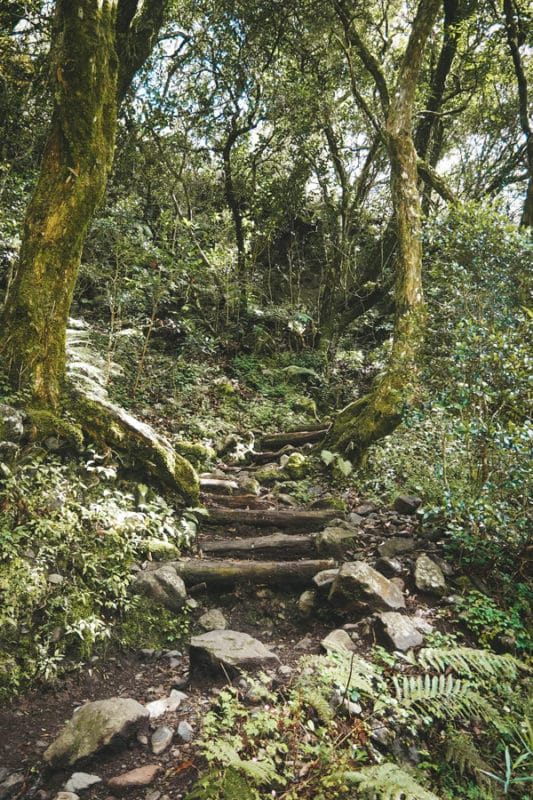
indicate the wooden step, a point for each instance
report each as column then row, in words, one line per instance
column 243, row 501
column 259, row 518
column 274, row 546
column 274, row 441
column 227, row 572
column 218, row 486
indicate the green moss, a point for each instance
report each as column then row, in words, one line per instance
column 46, row 423
column 296, row 467
column 197, row 454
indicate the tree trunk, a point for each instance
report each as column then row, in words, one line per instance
column 88, row 79
column 73, row 176
column 227, row 572
column 379, row 412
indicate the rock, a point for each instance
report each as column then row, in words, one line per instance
column 185, row 731
column 11, row 785
column 407, row 504
column 134, row 779
column 358, row 586
column 296, row 466
column 79, row 781
column 306, row 603
column 213, row 620
column 56, row 579
column 230, row 649
column 396, row 545
column 335, row 541
column 390, row 567
column 11, row 424
column 163, row 585
column 66, row 796
column 93, row 726
column 364, row 509
column 285, row 671
column 164, row 705
column 161, row 739
column 429, row 576
column 324, row 580
column 336, row 641
column 400, row 632
column 305, row 644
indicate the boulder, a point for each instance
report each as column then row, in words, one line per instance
column 11, row 424
column 164, row 586
column 399, row 632
column 94, row 726
column 359, row 586
column 429, row 576
column 231, row 650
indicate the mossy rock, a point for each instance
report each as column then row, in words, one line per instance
column 160, row 549
column 198, row 454
column 296, row 467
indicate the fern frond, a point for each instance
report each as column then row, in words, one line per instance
column 460, row 749
column 260, row 772
column 445, row 697
column 468, row 660
column 387, row 782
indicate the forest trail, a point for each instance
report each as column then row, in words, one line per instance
column 261, row 566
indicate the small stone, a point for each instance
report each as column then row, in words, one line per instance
column 164, row 705
column 185, row 731
column 80, row 781
column 213, row 620
column 306, row 603
column 285, row 671
column 429, row 576
column 337, row 641
column 163, row 586
column 56, row 579
column 407, row 504
column 324, row 580
column 11, row 785
column 390, row 567
column 153, row 795
column 304, row 644
column 364, row 509
column 161, row 739
column 66, row 796
column 192, row 603
column 135, row 778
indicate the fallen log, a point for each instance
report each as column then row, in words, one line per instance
column 259, row 518
column 274, row 546
column 218, row 486
column 227, row 572
column 277, row 440
column 266, row 456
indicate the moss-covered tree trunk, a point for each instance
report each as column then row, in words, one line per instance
column 74, row 170
column 97, row 46
column 379, row 412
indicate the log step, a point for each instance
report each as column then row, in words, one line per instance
column 277, row 440
column 227, row 572
column 240, row 501
column 295, row 520
column 218, row 486
column 274, row 546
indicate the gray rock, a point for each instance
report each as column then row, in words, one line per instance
column 66, row 796
column 11, row 785
column 213, row 620
column 163, row 585
column 399, row 631
column 429, row 576
column 390, row 567
column 306, row 603
column 185, row 731
column 396, row 545
column 165, row 705
column 56, row 579
column 336, row 641
column 161, row 739
column 230, row 649
column 11, row 423
column 93, row 726
column 79, row 781
column 324, row 580
column 359, row 586
column 285, row 671
column 406, row 504
column 8, row 451
column 335, row 541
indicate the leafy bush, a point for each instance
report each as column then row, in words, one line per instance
column 68, row 539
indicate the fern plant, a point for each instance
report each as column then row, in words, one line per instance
column 387, row 781
column 468, row 661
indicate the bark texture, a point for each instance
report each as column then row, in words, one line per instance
column 379, row 412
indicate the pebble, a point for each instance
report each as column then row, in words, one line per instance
column 161, row 739
column 79, row 781
column 185, row 731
